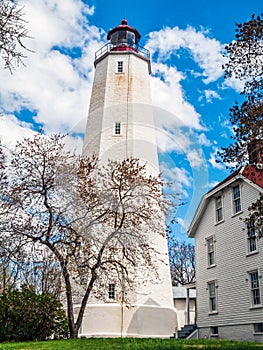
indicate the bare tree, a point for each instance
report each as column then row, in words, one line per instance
column 245, row 56
column 13, row 32
column 92, row 218
column 182, row 262
column 256, row 216
column 247, row 146
column 3, row 177
column 245, row 62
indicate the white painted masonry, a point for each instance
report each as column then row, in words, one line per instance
column 125, row 98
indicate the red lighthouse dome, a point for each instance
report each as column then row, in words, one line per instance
column 124, row 37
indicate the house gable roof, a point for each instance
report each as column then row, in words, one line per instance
column 249, row 173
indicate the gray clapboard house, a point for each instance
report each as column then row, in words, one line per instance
column 229, row 259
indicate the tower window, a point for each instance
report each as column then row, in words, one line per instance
column 111, row 291
column 117, row 128
column 120, row 67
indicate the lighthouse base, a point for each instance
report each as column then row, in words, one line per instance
column 115, row 320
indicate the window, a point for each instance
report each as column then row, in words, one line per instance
column 120, row 67
column 130, row 38
column 122, row 36
column 214, row 331
column 210, row 251
column 236, row 199
column 111, row 291
column 254, row 287
column 117, row 129
column 219, row 208
column 212, row 296
column 258, row 327
column 251, row 236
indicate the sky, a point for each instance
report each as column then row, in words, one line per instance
column 191, row 98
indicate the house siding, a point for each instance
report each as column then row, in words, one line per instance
column 235, row 316
column 235, row 332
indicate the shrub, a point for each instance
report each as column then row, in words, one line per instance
column 25, row 315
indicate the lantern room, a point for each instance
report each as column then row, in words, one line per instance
column 124, row 37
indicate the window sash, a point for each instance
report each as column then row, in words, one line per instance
column 219, row 208
column 237, row 199
column 210, row 251
column 120, row 67
column 211, row 258
column 212, row 296
column 117, row 129
column 252, row 244
column 251, row 236
column 254, row 286
column 237, row 205
column 256, row 297
column 111, row 291
column 258, row 327
column 254, row 280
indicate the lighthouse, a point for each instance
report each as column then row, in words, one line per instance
column 120, row 121
column 120, row 125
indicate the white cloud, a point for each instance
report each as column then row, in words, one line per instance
column 13, row 130
column 167, row 90
column 184, row 224
column 53, row 85
column 172, row 140
column 212, row 160
column 168, row 95
column 211, row 185
column 56, row 87
column 210, row 95
column 235, row 84
column 56, row 22
column 206, row 52
column 195, row 158
column 179, row 177
column 203, row 140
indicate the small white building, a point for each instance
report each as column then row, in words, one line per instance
column 229, row 260
column 184, row 305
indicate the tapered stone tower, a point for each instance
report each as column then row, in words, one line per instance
column 120, row 125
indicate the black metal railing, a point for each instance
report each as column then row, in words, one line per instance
column 122, row 47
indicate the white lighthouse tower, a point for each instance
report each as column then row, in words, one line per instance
column 120, row 125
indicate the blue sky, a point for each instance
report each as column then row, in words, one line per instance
column 191, row 99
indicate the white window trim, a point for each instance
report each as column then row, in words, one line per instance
column 222, row 206
column 251, row 252
column 252, row 305
column 214, row 246
column 233, row 201
column 110, row 290
column 212, row 312
column 114, row 129
column 120, row 63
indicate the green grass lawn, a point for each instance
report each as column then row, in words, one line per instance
column 130, row 344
